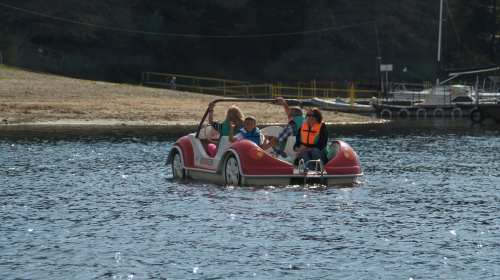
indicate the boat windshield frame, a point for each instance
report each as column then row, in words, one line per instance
column 272, row 101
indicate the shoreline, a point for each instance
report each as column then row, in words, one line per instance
column 29, row 98
column 172, row 123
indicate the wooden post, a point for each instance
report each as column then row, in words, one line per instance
column 352, row 95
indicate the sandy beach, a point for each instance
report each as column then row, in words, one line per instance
column 34, row 98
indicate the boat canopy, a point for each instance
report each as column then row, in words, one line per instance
column 449, row 74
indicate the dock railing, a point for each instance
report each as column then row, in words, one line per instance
column 242, row 89
column 350, row 94
column 203, row 85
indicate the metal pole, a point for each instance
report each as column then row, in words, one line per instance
column 439, row 37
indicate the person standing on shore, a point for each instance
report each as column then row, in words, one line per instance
column 172, row 84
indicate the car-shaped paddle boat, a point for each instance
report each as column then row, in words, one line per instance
column 244, row 163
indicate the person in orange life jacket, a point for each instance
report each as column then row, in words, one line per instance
column 312, row 139
column 249, row 131
column 233, row 115
column 295, row 120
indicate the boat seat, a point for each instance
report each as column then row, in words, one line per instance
column 271, row 131
column 333, row 150
column 290, row 141
column 223, row 144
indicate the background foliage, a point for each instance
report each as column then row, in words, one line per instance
column 253, row 40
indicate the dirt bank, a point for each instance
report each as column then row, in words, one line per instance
column 33, row 98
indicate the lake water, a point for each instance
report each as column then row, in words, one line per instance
column 98, row 202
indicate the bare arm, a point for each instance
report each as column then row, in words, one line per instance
column 273, row 142
column 281, row 101
column 231, row 132
column 211, row 106
column 264, row 143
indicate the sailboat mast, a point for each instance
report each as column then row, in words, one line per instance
column 439, row 39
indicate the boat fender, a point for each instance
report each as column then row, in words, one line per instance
column 456, row 112
column 404, row 114
column 422, row 113
column 477, row 115
column 438, row 112
column 386, row 113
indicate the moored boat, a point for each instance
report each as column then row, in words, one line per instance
column 441, row 101
column 342, row 105
column 402, row 92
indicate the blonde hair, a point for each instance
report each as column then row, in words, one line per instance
column 235, row 116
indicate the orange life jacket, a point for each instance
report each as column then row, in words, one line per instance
column 310, row 135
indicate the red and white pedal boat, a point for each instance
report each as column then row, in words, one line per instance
column 245, row 163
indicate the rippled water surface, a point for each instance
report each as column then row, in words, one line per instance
column 99, row 203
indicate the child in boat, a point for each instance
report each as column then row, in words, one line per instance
column 249, row 131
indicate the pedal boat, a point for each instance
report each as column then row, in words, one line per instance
column 245, row 163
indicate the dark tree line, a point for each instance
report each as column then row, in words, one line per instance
column 255, row 40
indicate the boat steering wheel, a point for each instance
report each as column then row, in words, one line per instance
column 211, row 133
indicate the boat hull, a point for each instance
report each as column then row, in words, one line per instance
column 342, row 106
column 254, row 166
column 424, row 111
column 492, row 111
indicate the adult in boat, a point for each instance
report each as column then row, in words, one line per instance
column 233, row 115
column 295, row 121
column 312, row 139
